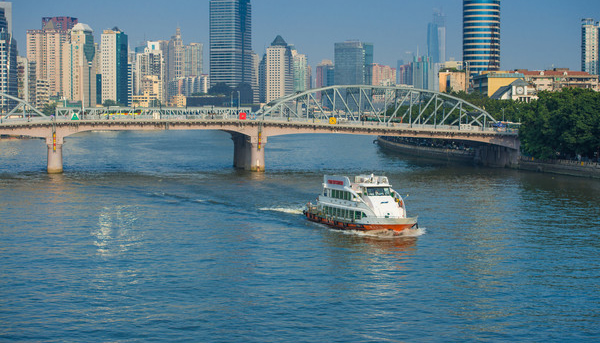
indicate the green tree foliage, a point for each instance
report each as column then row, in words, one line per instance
column 109, row 103
column 49, row 109
column 563, row 124
column 557, row 125
column 220, row 88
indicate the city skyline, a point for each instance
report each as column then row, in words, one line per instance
column 550, row 38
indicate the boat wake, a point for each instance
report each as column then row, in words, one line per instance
column 288, row 210
column 386, row 233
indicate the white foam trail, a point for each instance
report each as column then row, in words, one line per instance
column 414, row 232
column 288, row 210
column 384, row 234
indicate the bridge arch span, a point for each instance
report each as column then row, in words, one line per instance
column 381, row 104
column 21, row 105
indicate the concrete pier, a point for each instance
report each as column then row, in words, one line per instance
column 55, row 160
column 497, row 156
column 248, row 152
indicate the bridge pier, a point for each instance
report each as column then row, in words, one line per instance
column 55, row 160
column 497, row 156
column 248, row 152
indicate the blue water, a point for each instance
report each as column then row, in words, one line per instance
column 152, row 236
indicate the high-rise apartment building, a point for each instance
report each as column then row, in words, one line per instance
column 276, row 71
column 26, row 79
column 383, row 75
column 301, row 71
column 114, row 66
column 231, row 60
column 8, row 64
column 151, row 68
column 590, row 46
column 325, row 74
column 79, row 66
column 45, row 48
column 60, row 23
column 192, row 60
column 423, row 73
column 353, row 63
column 436, row 38
column 175, row 57
column 481, row 35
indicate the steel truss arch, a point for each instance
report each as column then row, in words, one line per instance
column 22, row 106
column 382, row 104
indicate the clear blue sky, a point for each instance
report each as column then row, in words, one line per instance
column 535, row 34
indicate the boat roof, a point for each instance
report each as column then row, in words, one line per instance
column 361, row 180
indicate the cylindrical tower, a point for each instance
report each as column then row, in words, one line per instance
column 481, row 35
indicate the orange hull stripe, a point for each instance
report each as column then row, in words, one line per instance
column 351, row 226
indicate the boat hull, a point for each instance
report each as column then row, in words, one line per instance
column 398, row 225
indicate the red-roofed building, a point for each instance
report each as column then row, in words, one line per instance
column 559, row 78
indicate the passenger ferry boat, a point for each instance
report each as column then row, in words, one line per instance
column 367, row 204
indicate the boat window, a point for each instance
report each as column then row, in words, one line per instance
column 378, row 191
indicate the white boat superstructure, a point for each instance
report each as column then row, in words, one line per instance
column 368, row 203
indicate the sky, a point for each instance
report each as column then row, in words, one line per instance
column 535, row 34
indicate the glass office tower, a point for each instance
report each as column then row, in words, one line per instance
column 230, row 32
column 353, row 63
column 481, row 35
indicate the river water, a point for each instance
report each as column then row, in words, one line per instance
column 152, row 236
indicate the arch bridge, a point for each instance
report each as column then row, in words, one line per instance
column 354, row 109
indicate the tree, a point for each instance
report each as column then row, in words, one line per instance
column 563, row 124
column 109, row 103
column 49, row 108
column 220, row 88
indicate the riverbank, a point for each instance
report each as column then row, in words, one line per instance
column 561, row 167
column 430, row 152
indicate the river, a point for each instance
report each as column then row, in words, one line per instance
column 153, row 236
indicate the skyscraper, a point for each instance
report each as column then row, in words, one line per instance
column 174, row 57
column 192, row 60
column 353, row 63
column 230, row 33
column 276, row 71
column 325, row 72
column 481, row 35
column 436, row 38
column 79, row 66
column 60, row 23
column 301, row 72
column 26, row 79
column 7, row 6
column 44, row 47
column 589, row 46
column 151, row 68
column 114, row 66
column 8, row 64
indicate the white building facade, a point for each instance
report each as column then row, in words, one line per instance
column 276, row 71
column 79, row 66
